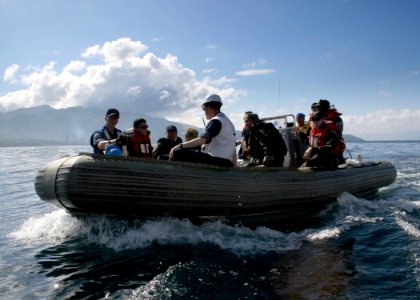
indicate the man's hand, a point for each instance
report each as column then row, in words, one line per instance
column 121, row 141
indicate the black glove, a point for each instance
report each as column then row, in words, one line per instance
column 255, row 161
column 325, row 149
column 121, row 141
column 269, row 161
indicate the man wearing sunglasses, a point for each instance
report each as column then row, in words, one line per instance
column 139, row 144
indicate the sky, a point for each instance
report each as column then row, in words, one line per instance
column 162, row 57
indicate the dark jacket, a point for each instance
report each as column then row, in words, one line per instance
column 266, row 144
column 244, row 143
column 164, row 146
column 102, row 134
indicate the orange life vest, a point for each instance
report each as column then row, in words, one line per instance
column 319, row 136
column 141, row 145
column 331, row 115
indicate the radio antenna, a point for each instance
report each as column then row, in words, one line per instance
column 278, row 104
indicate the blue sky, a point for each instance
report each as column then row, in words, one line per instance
column 272, row 57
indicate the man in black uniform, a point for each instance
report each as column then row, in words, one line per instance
column 266, row 144
column 164, row 145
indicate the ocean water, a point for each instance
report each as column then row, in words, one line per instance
column 359, row 249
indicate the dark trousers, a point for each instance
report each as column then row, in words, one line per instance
column 322, row 160
column 197, row 156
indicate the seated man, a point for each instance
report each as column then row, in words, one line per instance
column 243, row 142
column 108, row 134
column 300, row 144
column 331, row 114
column 164, row 145
column 266, row 145
column 218, row 139
column 324, row 148
column 138, row 144
column 190, row 134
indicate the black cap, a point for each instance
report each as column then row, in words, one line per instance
column 171, row 128
column 252, row 117
column 113, row 112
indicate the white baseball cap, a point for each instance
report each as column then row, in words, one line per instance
column 213, row 98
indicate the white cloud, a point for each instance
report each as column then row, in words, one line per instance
column 262, row 61
column 75, row 66
column 10, row 72
column 121, row 50
column 210, row 71
column 384, row 94
column 250, row 65
column 415, row 73
column 209, row 59
column 157, row 39
column 387, row 124
column 120, row 74
column 259, row 62
column 253, row 72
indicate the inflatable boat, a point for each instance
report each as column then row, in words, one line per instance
column 134, row 187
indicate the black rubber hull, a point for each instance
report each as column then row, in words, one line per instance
column 89, row 184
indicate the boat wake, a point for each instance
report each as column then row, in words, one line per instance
column 117, row 234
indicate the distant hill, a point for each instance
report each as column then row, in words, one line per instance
column 44, row 125
column 352, row 139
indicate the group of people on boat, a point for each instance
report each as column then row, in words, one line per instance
column 321, row 144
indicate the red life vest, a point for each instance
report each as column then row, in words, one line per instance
column 319, row 136
column 331, row 115
column 141, row 145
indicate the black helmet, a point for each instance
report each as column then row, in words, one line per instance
column 324, row 104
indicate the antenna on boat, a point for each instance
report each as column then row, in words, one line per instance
column 278, row 104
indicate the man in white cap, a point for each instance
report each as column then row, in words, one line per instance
column 218, row 139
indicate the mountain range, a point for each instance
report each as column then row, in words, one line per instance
column 44, row 125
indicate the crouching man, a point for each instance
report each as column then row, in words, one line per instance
column 266, row 145
column 324, row 149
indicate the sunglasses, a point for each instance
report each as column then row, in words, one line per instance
column 143, row 127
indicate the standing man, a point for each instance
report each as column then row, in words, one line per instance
column 108, row 134
column 218, row 139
